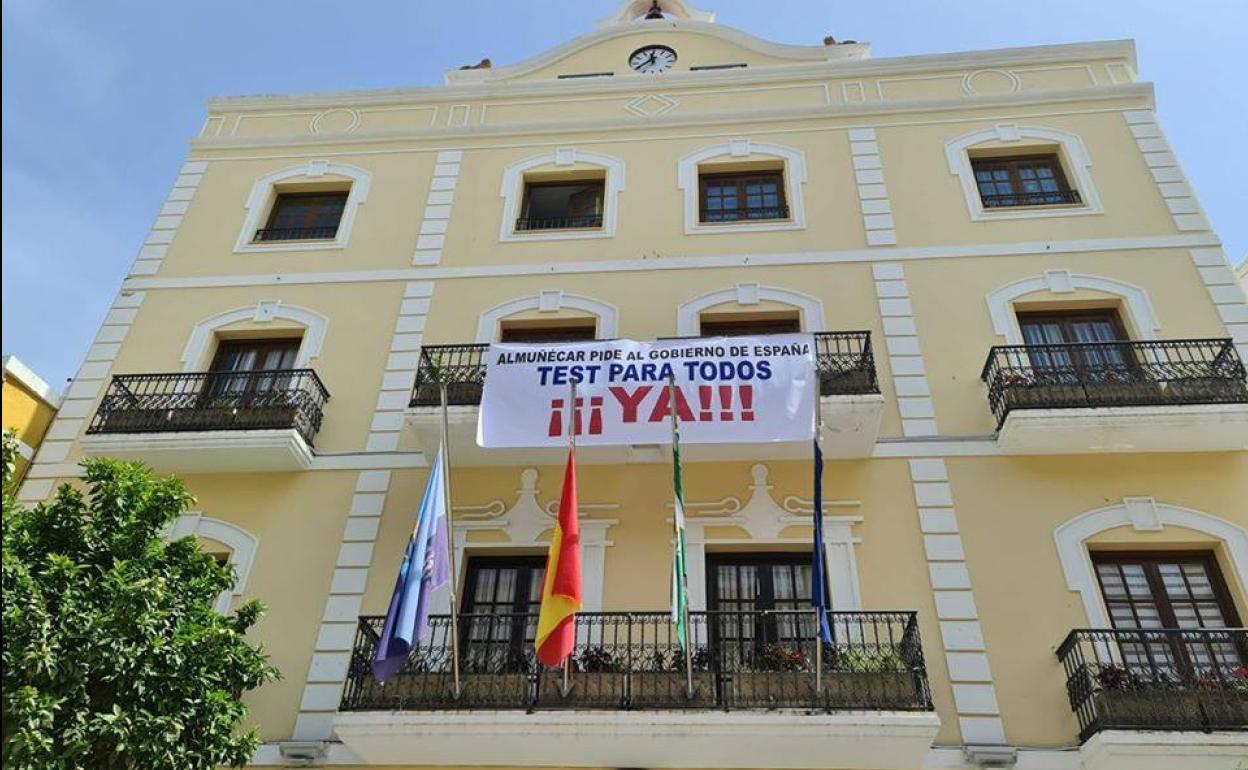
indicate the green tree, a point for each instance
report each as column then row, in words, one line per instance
column 113, row 655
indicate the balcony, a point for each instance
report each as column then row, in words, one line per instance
column 864, row 698
column 1157, row 396
column 754, row 214
column 1013, row 200
column 525, row 224
column 848, row 387
column 296, row 234
column 210, row 422
column 1158, row 680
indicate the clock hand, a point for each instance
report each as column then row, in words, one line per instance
column 651, row 59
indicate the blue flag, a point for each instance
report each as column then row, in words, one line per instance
column 818, row 574
column 426, row 566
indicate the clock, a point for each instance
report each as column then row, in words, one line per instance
column 652, row 59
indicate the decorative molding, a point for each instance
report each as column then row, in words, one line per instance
column 1142, row 514
column 242, row 544
column 764, row 521
column 689, row 312
column 353, row 120
column 315, row 325
column 1134, row 299
column 632, row 11
column 1164, row 167
column 26, row 377
column 687, row 171
column 263, row 194
column 1227, row 295
column 152, row 253
column 877, row 211
column 438, row 207
column 549, row 301
column 1075, row 158
column 905, row 357
column 512, row 192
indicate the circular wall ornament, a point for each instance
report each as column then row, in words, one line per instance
column 335, row 121
column 984, row 82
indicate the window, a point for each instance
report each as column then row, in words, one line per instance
column 747, row 324
column 1075, row 344
column 304, row 216
column 738, row 197
column 248, row 366
column 561, row 205
column 1156, row 590
column 759, row 600
column 501, row 600
column 1034, row 180
column 521, row 331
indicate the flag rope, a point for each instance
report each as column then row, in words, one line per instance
column 450, row 535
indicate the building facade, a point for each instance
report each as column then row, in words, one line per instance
column 29, row 406
column 1030, row 348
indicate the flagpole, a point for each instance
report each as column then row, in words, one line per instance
column 671, row 403
column 819, row 613
column 450, row 534
column 572, row 413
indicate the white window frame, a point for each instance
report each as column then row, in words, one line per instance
column 1072, row 153
column 264, row 194
column 512, row 192
column 242, row 544
column 550, row 301
column 196, row 352
column 1061, row 282
column 744, row 150
column 689, row 313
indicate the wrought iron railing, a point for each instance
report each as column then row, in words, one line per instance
column 296, row 233
column 631, row 660
column 844, row 360
column 1157, row 679
column 1053, row 198
column 164, row 403
column 558, row 223
column 744, row 215
column 1088, row 374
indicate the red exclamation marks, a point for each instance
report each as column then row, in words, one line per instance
column 555, row 429
column 704, row 396
column 747, row 403
column 725, row 403
column 577, row 428
column 595, row 415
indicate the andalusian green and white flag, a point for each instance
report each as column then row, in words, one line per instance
column 680, row 589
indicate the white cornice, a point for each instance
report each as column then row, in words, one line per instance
column 30, row 381
column 1141, row 91
column 1003, row 57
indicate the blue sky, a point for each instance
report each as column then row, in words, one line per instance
column 99, row 100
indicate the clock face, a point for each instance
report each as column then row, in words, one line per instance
column 652, row 59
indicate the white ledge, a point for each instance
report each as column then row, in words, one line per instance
column 1172, row 428
column 216, row 451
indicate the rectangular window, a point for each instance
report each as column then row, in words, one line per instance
column 742, row 197
column 249, row 366
column 502, row 596
column 304, row 216
column 1155, row 590
column 561, row 205
column 553, row 333
column 1074, row 344
column 759, row 604
column 1033, row 180
column 744, row 327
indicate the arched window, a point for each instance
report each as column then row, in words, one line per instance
column 303, row 208
column 742, row 185
column 564, row 195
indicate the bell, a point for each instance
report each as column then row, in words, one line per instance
column 655, row 11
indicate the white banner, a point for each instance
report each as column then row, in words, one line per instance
column 728, row 389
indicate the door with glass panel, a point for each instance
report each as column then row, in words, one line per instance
column 1077, row 347
column 760, row 614
column 502, row 596
column 1153, row 591
column 252, row 366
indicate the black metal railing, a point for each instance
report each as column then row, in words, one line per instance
column 1007, row 200
column 1157, row 679
column 632, row 660
column 296, row 233
column 558, row 223
column 744, row 215
column 1089, row 374
column 844, row 360
column 165, row 403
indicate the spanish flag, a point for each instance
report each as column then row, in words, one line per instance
column 561, row 588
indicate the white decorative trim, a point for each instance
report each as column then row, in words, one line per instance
column 794, row 181
column 905, row 357
column 1164, row 166
column 1077, row 163
column 438, row 207
column 1141, row 514
column 165, row 228
column 1134, row 299
column 764, row 522
column 877, row 211
column 549, row 301
column 315, row 325
column 512, row 192
column 689, row 312
column 1227, row 295
column 14, row 368
column 243, row 547
column 263, row 193
column 632, row 11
